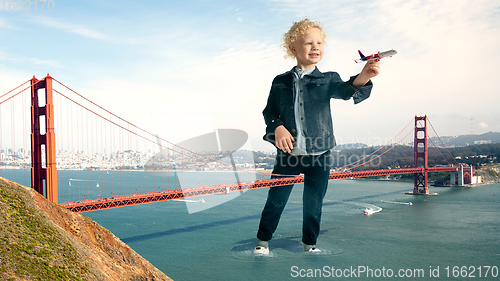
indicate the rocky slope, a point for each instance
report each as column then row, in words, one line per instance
column 489, row 173
column 40, row 240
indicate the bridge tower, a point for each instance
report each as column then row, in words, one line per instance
column 463, row 176
column 420, row 153
column 42, row 119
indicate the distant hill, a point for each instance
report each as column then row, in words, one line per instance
column 349, row 146
column 465, row 140
column 401, row 156
column 448, row 141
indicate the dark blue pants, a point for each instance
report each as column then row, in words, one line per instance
column 316, row 169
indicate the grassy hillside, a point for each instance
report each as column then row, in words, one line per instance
column 40, row 240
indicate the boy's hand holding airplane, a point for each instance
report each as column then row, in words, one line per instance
column 371, row 69
column 372, row 66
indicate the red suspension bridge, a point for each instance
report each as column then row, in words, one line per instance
column 86, row 158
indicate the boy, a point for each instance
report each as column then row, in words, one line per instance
column 299, row 124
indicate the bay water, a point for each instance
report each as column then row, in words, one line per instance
column 435, row 236
column 455, row 234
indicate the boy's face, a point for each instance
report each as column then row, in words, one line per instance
column 308, row 49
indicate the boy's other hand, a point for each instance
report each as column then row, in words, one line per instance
column 284, row 140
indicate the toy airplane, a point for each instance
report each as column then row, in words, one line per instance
column 376, row 56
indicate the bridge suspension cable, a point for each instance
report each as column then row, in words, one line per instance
column 442, row 145
column 390, row 141
column 24, row 89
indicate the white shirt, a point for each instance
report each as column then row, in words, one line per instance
column 300, row 118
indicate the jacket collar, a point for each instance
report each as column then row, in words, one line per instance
column 316, row 73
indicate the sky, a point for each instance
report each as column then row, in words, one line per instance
column 184, row 68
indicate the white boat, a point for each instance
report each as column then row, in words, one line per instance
column 368, row 211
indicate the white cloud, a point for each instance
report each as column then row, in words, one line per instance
column 483, row 125
column 4, row 24
column 72, row 28
column 47, row 63
column 31, row 61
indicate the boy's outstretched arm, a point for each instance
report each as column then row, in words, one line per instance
column 370, row 70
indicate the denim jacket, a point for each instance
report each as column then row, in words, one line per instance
column 319, row 88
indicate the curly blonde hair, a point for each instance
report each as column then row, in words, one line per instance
column 298, row 29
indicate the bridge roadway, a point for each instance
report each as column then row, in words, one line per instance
column 157, row 196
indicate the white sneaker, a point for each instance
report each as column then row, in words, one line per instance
column 261, row 250
column 261, row 247
column 310, row 248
